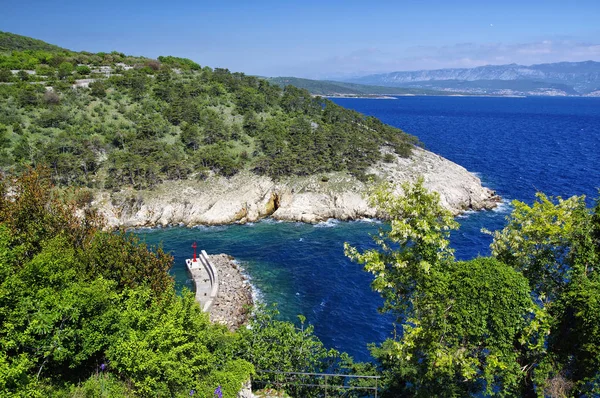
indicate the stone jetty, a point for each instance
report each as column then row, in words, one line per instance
column 222, row 289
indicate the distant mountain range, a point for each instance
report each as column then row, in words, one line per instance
column 562, row 78
column 334, row 88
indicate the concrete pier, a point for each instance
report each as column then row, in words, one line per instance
column 206, row 280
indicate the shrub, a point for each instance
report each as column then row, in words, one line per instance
column 51, row 98
column 83, row 70
column 5, row 75
column 389, row 158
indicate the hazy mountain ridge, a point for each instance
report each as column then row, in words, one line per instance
column 582, row 77
column 333, row 88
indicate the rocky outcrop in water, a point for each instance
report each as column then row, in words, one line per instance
column 247, row 197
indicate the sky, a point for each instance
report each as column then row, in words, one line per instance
column 319, row 39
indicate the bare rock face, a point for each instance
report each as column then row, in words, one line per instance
column 459, row 190
column 247, row 197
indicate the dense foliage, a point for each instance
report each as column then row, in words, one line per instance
column 144, row 121
column 90, row 313
column 555, row 244
column 12, row 42
column 521, row 323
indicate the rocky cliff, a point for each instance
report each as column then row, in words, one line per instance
column 247, row 197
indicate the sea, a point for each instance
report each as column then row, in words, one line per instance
column 516, row 146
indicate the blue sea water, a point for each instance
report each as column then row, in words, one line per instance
column 517, row 146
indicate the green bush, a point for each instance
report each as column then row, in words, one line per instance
column 83, row 70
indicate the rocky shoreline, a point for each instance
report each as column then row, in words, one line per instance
column 247, row 197
column 233, row 304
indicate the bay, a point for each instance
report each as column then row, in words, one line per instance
column 517, row 146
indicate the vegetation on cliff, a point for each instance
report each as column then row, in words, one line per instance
column 13, row 42
column 143, row 121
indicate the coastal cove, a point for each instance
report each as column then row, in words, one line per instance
column 302, row 267
column 210, row 221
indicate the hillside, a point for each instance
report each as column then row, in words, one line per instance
column 136, row 122
column 566, row 78
column 333, row 88
column 168, row 141
column 14, row 42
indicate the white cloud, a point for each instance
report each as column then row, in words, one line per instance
column 461, row 55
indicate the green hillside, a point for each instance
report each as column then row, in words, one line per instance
column 326, row 87
column 13, row 42
column 90, row 313
column 142, row 121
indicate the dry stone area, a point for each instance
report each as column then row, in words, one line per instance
column 235, row 293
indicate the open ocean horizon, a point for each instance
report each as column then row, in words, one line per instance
column 516, row 146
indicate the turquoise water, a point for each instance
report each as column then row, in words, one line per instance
column 301, row 267
column 516, row 145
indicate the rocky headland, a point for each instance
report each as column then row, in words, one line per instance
column 247, row 197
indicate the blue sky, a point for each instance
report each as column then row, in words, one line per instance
column 319, row 39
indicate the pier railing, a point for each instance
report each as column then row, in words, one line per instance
column 300, row 384
column 213, row 276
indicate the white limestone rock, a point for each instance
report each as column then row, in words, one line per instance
column 247, row 197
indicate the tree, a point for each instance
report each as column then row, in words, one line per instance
column 168, row 347
column 191, row 136
column 23, row 151
column 416, row 243
column 549, row 242
column 213, row 127
column 5, row 75
column 137, row 83
column 281, row 346
column 98, row 89
column 555, row 244
column 251, row 124
column 467, row 328
column 4, row 137
column 65, row 70
column 83, row 70
column 29, row 95
column 23, row 75
column 76, row 302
